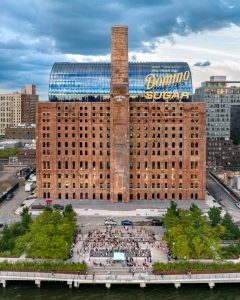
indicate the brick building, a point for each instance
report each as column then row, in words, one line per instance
column 20, row 132
column 29, row 98
column 120, row 148
column 17, row 108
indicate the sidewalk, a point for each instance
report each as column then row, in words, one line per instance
column 152, row 208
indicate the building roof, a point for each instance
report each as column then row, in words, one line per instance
column 74, row 81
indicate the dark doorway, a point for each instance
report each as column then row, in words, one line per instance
column 119, row 197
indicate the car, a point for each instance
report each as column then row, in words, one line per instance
column 238, row 204
column 110, row 222
column 9, row 196
column 156, row 222
column 37, row 206
column 127, row 223
column 58, row 206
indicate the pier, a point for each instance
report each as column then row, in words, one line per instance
column 141, row 279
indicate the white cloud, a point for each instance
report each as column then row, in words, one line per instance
column 220, row 47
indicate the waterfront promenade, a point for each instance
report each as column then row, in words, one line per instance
column 141, row 279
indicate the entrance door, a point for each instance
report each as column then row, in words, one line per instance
column 119, row 197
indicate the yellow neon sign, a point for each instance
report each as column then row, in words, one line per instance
column 154, row 82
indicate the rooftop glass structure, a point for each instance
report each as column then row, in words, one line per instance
column 90, row 82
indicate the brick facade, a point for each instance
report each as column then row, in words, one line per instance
column 120, row 150
column 119, row 117
column 166, row 151
column 20, row 133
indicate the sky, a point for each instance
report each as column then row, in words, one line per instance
column 36, row 33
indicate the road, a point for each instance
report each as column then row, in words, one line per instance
column 8, row 208
column 223, row 198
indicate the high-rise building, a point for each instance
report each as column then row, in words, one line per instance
column 10, row 110
column 29, row 98
column 120, row 131
column 219, row 95
column 16, row 108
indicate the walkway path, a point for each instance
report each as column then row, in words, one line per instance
column 141, row 278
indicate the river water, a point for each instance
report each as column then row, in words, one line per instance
column 27, row 291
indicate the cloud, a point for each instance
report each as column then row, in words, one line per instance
column 36, row 33
column 202, row 64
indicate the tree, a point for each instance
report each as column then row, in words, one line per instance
column 190, row 234
column 171, row 217
column 26, row 217
column 214, row 215
column 68, row 209
column 178, row 242
column 50, row 235
column 232, row 231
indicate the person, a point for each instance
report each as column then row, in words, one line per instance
column 133, row 273
column 189, row 273
column 93, row 275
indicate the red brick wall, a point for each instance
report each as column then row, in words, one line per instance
column 161, row 118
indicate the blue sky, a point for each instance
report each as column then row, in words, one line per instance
column 36, row 33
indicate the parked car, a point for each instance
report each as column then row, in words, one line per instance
column 156, row 222
column 9, row 196
column 110, row 222
column 127, row 223
column 58, row 206
column 37, row 206
column 238, row 204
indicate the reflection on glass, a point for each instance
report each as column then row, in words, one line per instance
column 90, row 82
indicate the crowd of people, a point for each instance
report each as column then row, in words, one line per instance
column 130, row 241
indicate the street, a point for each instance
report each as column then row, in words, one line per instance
column 223, row 198
column 8, row 208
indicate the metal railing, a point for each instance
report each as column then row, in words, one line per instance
column 118, row 278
